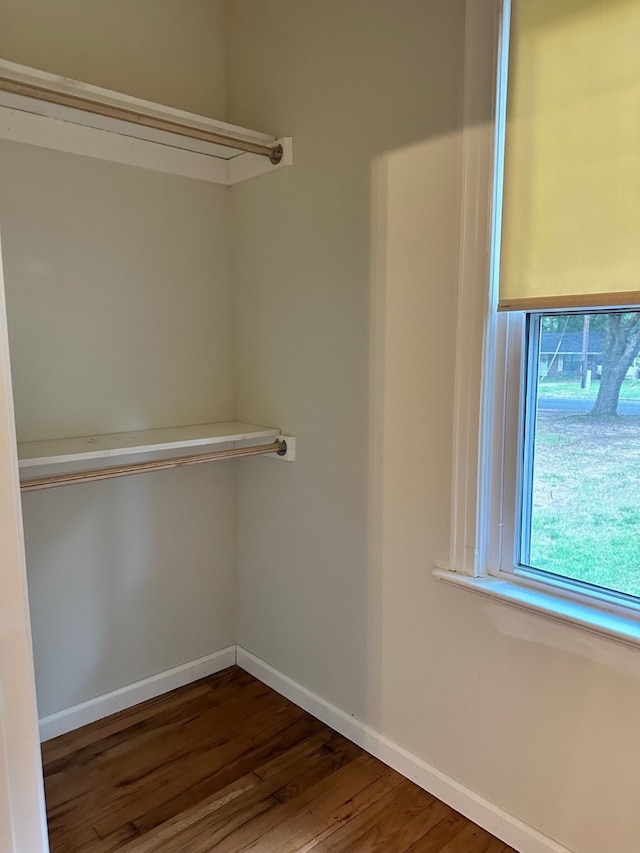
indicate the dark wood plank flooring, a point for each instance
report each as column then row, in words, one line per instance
column 228, row 765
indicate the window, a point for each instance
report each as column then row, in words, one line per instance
column 548, row 497
column 569, row 237
column 578, row 512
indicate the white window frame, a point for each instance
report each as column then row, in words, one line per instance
column 489, row 372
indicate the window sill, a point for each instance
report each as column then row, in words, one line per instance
column 610, row 625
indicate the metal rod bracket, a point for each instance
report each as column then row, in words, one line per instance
column 277, row 153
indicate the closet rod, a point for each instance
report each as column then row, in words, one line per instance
column 279, row 447
column 41, row 93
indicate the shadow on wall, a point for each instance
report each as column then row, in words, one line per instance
column 414, row 267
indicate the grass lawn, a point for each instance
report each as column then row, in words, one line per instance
column 630, row 389
column 586, row 499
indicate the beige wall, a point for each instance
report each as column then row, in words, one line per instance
column 162, row 50
column 118, row 295
column 361, row 89
column 345, row 279
column 119, row 307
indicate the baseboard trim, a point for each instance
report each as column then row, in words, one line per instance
column 505, row 826
column 117, row 700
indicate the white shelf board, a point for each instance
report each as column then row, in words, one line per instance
column 63, row 128
column 61, row 450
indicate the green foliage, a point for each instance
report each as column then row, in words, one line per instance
column 585, row 520
column 575, row 322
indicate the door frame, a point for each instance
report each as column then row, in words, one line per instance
column 23, row 825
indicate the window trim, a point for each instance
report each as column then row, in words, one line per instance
column 484, row 56
column 543, row 601
column 488, row 372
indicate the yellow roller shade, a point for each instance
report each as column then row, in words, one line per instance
column 571, row 211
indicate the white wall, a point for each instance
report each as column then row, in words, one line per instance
column 345, row 275
column 119, row 307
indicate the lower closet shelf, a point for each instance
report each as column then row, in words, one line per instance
column 32, row 454
column 67, row 451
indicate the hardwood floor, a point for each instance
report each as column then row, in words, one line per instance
column 228, row 765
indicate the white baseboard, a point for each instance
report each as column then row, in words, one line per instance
column 117, row 700
column 505, row 826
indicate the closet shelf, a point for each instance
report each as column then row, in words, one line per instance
column 59, row 451
column 45, row 110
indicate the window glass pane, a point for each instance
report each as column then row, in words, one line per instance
column 581, row 483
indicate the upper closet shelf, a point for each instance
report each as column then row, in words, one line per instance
column 42, row 109
column 58, row 451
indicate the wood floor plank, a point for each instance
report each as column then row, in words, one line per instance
column 372, row 829
column 166, row 786
column 219, row 685
column 212, row 820
column 169, row 737
column 332, row 760
column 205, row 777
column 203, row 817
column 316, row 761
column 127, row 738
column 356, row 776
column 127, row 772
column 226, row 765
column 230, row 827
column 435, row 838
column 473, row 839
column 68, row 744
column 319, row 811
column 324, row 736
column 124, row 764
